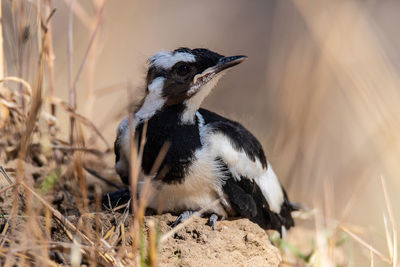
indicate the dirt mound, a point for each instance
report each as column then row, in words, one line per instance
column 236, row 242
column 232, row 243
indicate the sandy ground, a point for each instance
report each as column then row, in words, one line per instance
column 232, row 243
column 236, row 242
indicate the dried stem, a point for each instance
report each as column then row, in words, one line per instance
column 152, row 244
column 80, row 13
column 73, row 86
column 2, row 71
column 392, row 242
column 364, row 243
column 92, row 38
column 72, row 92
column 49, row 52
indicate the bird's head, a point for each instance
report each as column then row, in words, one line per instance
column 184, row 76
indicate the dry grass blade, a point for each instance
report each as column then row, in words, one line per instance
column 108, row 234
column 50, row 56
column 152, row 244
column 58, row 215
column 6, row 188
column 80, row 12
column 92, row 38
column 364, row 243
column 160, row 157
column 371, row 255
column 389, row 241
column 19, row 80
column 81, row 118
column 83, row 149
column 71, row 93
column 91, row 125
column 105, row 91
column 392, row 242
column 3, row 171
column 26, row 137
column 1, row 44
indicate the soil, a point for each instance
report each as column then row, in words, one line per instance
column 236, row 242
column 232, row 243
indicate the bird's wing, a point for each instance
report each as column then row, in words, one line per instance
column 244, row 157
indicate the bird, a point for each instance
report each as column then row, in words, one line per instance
column 212, row 162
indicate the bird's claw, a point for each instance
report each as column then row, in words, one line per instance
column 213, row 220
column 182, row 217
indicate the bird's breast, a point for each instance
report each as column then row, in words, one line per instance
column 200, row 187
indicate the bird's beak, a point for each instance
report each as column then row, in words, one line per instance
column 223, row 64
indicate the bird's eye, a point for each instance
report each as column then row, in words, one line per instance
column 182, row 70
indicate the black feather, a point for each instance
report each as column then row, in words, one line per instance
column 241, row 138
column 117, row 148
column 247, row 199
column 184, row 140
column 245, row 193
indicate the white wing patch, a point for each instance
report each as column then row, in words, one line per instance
column 240, row 165
column 166, row 59
column 271, row 189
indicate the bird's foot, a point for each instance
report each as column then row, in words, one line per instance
column 213, row 220
column 182, row 217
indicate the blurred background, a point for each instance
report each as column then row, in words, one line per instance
column 320, row 88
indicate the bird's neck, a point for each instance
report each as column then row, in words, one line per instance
column 189, row 112
column 192, row 104
column 153, row 105
column 166, row 113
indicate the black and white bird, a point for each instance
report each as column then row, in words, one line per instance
column 209, row 157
